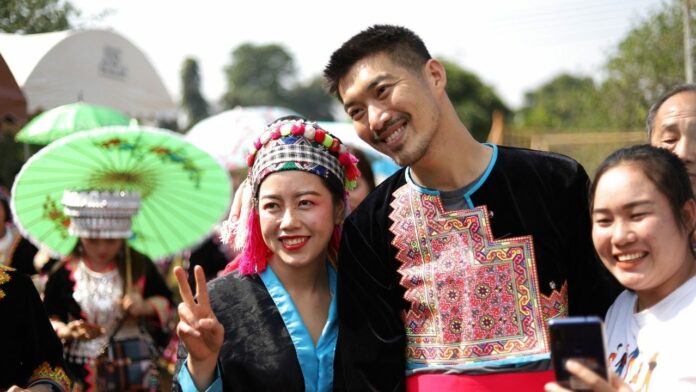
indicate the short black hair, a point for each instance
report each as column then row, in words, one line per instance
column 652, row 113
column 662, row 168
column 402, row 45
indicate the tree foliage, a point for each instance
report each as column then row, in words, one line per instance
column 312, row 100
column 259, row 75
column 645, row 64
column 473, row 100
column 266, row 75
column 36, row 16
column 192, row 100
column 562, row 103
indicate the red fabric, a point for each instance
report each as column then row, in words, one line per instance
column 518, row 382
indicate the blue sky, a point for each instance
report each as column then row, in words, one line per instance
column 512, row 45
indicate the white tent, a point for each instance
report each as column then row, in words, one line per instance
column 94, row 66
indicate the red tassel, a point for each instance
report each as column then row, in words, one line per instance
column 352, row 172
column 232, row 265
column 335, row 241
column 255, row 253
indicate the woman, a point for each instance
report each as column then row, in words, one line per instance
column 366, row 181
column 15, row 250
column 643, row 216
column 105, row 288
column 271, row 325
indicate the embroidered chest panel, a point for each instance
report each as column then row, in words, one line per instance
column 473, row 299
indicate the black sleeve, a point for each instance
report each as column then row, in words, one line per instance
column 34, row 351
column 58, row 299
column 370, row 352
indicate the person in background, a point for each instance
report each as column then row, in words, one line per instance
column 451, row 268
column 671, row 124
column 366, row 181
column 31, row 357
column 15, row 250
column 271, row 324
column 643, row 216
column 106, row 294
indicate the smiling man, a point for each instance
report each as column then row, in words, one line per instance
column 671, row 124
column 450, row 269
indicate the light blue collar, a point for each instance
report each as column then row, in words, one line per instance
column 316, row 362
column 472, row 189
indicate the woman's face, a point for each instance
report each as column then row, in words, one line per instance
column 636, row 235
column 297, row 216
column 101, row 250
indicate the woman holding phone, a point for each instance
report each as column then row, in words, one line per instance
column 643, row 216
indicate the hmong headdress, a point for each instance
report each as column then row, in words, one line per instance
column 100, row 214
column 290, row 143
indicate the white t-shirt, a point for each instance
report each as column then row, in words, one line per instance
column 655, row 349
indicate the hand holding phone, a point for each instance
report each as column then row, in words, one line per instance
column 582, row 340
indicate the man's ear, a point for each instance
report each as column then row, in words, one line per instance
column 436, row 74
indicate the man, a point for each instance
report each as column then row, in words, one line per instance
column 671, row 124
column 449, row 270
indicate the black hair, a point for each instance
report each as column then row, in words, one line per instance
column 402, row 45
column 662, row 168
column 5, row 205
column 652, row 113
column 364, row 167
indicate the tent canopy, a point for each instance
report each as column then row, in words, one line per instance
column 93, row 66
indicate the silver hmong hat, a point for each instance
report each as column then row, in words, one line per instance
column 100, row 214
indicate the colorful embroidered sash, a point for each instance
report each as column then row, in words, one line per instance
column 474, row 300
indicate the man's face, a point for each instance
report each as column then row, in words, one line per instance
column 675, row 130
column 393, row 109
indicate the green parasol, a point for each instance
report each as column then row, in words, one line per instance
column 67, row 119
column 184, row 191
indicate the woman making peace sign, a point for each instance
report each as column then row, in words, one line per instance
column 271, row 325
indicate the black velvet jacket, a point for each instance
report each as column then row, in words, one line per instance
column 30, row 350
column 257, row 353
column 527, row 193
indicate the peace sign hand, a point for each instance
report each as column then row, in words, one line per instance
column 198, row 328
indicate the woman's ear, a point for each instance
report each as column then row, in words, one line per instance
column 689, row 215
column 340, row 212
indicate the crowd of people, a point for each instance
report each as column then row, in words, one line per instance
column 442, row 277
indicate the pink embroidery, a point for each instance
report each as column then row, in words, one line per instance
column 556, row 304
column 473, row 298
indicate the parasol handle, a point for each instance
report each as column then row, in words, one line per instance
column 129, row 268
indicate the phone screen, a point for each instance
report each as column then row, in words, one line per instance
column 581, row 339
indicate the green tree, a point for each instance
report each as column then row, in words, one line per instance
column 259, row 75
column 473, row 100
column 645, row 64
column 192, row 100
column 36, row 16
column 565, row 102
column 312, row 100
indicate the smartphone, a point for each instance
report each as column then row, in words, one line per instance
column 581, row 339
